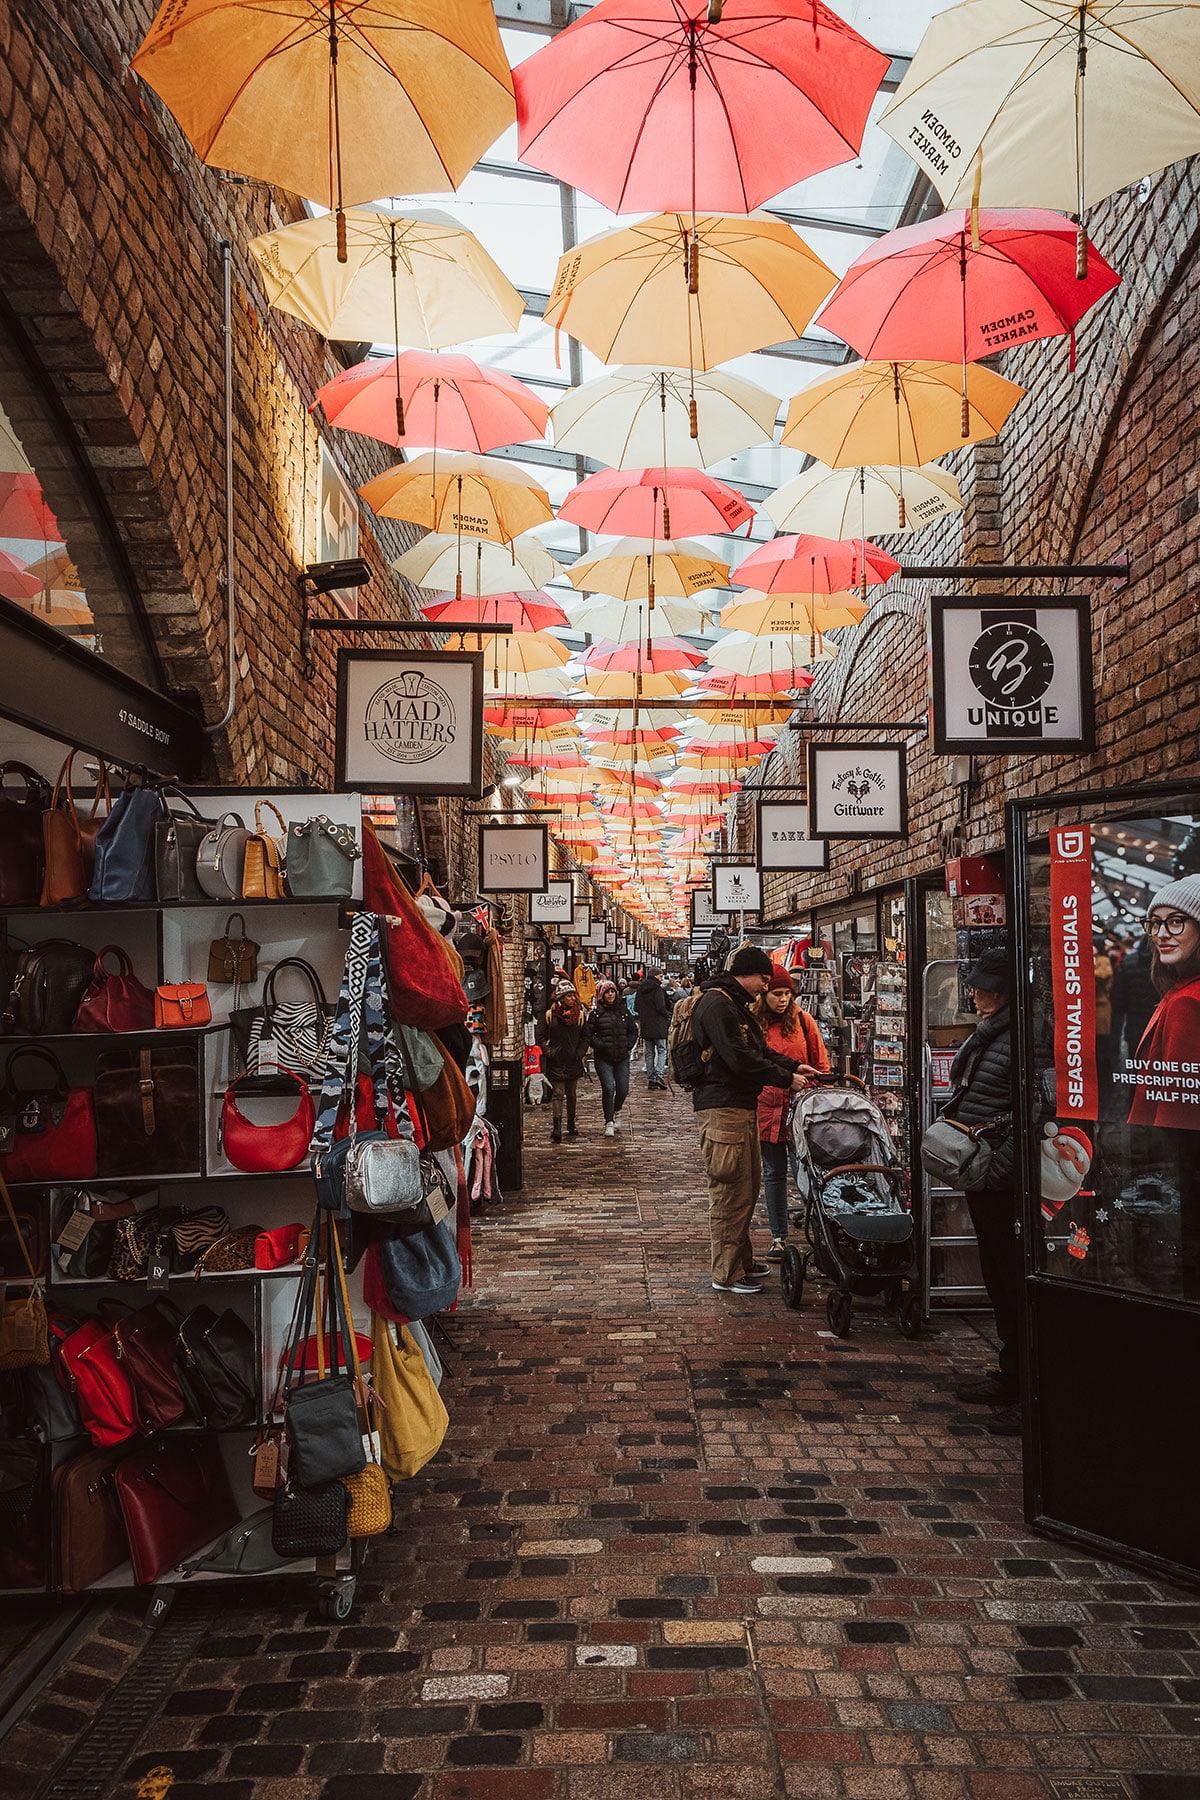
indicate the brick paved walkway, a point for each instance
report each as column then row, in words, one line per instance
column 686, row 1547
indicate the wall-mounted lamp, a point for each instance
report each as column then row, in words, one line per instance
column 327, row 577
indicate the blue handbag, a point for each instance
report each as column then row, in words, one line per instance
column 422, row 1273
column 124, row 866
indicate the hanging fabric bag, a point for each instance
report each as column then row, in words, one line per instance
column 414, row 1419
column 422, row 986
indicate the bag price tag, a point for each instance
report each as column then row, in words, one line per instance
column 265, row 1478
column 25, row 1332
column 268, row 1056
column 75, row 1230
column 158, row 1271
column 439, row 1206
column 371, row 1446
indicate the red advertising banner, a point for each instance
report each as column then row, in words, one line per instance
column 1073, row 972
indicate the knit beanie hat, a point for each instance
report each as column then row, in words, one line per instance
column 1179, row 896
column 750, row 961
column 781, row 979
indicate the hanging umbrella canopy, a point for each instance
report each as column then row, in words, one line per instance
column 645, row 104
column 963, row 286
column 667, row 653
column 628, row 781
column 628, row 295
column 737, row 722
column 516, row 655
column 1050, row 102
column 523, row 611
column 419, row 397
column 655, row 503
column 625, row 620
column 526, row 683
column 701, row 756
column 540, row 756
column 814, row 565
column 897, row 412
column 339, row 102
column 542, row 723
column 16, row 581
column 842, row 503
column 484, row 567
column 792, row 615
column 623, row 684
column 408, row 278
column 23, row 509
column 748, row 655
column 634, row 418
column 481, row 496
column 734, row 686
column 639, row 569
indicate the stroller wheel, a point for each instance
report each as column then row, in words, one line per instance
column 911, row 1314
column 791, row 1277
column 839, row 1309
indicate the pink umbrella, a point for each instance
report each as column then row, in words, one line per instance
column 422, row 397
column 779, row 681
column 655, row 503
column 523, row 611
column 677, row 105
column 815, row 565
column 658, row 658
column 16, row 583
column 23, row 510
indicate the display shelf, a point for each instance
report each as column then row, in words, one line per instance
column 161, row 1034
column 294, row 1270
column 112, row 909
column 122, row 1577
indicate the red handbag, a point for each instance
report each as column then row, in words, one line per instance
column 89, row 1367
column 423, row 989
column 147, row 1342
column 115, row 1002
column 49, row 1133
column 276, row 1248
column 262, row 1149
column 175, row 1498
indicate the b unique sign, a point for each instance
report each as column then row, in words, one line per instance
column 784, row 846
column 513, row 859
column 1013, row 678
column 555, row 907
column 857, row 791
column 737, row 888
column 410, row 722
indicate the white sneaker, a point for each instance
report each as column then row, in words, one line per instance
column 617, row 1121
column 610, row 1129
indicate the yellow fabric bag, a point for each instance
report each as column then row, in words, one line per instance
column 414, row 1419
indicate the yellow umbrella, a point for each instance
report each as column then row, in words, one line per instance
column 417, row 278
column 520, row 654
column 479, row 496
column 637, row 569
column 889, row 412
column 792, row 615
column 339, row 100
column 626, row 684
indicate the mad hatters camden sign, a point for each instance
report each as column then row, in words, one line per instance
column 857, row 791
column 410, row 722
column 1014, row 678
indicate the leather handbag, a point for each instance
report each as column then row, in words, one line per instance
column 24, row 1335
column 20, row 1476
column 285, row 1034
column 310, row 1521
column 90, row 1369
column 47, row 1133
column 87, row 1514
column 282, row 1245
column 86, row 1232
column 181, row 1006
column 123, row 869
column 147, row 1112
column 231, row 1253
column 117, row 1002
column 413, row 1419
column 421, row 1273
column 21, row 835
column 196, row 1232
column 177, row 840
column 320, row 859
column 262, row 1149
column 422, row 987
column 69, row 842
column 136, row 1239
column 175, row 1497
column 233, row 961
column 217, row 1365
column 262, row 868
column 146, row 1342
column 221, row 858
column 50, row 981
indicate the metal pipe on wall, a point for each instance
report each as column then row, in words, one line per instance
column 230, row 610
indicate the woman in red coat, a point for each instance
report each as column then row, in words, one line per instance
column 1167, row 1061
column 789, row 1031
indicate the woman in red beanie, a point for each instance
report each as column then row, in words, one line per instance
column 1169, row 1052
column 789, row 1031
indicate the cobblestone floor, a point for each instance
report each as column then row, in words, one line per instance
column 681, row 1546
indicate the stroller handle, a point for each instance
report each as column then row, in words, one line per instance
column 834, row 1079
column 864, row 1169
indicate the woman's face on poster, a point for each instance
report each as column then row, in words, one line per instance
column 1175, row 936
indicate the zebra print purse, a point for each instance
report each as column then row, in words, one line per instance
column 288, row 1035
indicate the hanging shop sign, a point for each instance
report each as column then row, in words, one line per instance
column 1072, row 972
column 554, row 907
column 337, row 526
column 410, row 721
column 513, row 859
column 736, row 888
column 857, row 791
column 705, row 917
column 581, row 920
column 784, row 846
column 593, row 938
column 1013, row 678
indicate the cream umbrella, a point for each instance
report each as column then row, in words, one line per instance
column 520, row 654
column 645, row 569
column 640, row 418
column 622, row 621
column 845, row 503
column 791, row 615
column 485, row 567
column 747, row 655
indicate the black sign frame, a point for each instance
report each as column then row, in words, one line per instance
column 472, row 787
column 499, row 827
column 817, row 868
column 754, row 912
column 1003, row 606
column 851, row 749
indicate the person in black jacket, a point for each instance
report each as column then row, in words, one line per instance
column 613, row 1031
column 981, row 1090
column 653, row 1010
column 563, row 1036
column 737, row 1066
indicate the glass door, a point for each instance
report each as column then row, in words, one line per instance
column 952, row 1276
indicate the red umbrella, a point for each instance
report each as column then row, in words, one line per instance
column 23, row 510
column 661, row 657
column 815, row 565
column 781, row 681
column 943, row 292
column 655, row 503
column 523, row 611
column 660, row 106
column 424, row 398
column 528, row 718
column 16, row 583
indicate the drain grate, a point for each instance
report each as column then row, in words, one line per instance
column 95, row 1763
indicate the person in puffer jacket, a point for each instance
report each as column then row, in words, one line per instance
column 613, row 1032
column 563, row 1039
column 789, row 1031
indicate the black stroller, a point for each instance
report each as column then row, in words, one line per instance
column 855, row 1217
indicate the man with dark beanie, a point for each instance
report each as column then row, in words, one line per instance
column 736, row 1067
